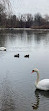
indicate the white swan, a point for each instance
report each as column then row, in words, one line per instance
column 2, row 49
column 43, row 84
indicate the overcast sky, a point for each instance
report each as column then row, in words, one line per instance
column 30, row 6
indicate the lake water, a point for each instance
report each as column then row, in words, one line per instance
column 17, row 89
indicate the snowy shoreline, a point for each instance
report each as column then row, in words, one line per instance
column 23, row 29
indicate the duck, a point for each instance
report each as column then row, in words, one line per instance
column 2, row 49
column 41, row 84
column 17, row 55
column 26, row 56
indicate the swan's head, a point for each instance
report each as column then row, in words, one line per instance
column 35, row 70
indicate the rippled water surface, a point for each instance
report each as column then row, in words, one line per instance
column 17, row 89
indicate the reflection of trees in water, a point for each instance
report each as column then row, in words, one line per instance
column 7, row 97
column 2, row 40
column 24, row 36
column 37, row 37
column 29, row 35
column 37, row 95
column 41, row 37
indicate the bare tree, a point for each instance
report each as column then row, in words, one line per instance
column 29, row 20
column 2, row 8
column 37, row 19
column 7, row 5
column 2, row 16
column 47, row 17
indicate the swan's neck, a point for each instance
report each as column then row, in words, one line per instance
column 37, row 80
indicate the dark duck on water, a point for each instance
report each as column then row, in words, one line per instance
column 16, row 55
column 26, row 56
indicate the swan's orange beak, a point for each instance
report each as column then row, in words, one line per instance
column 32, row 71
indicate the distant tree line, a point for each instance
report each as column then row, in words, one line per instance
column 23, row 21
